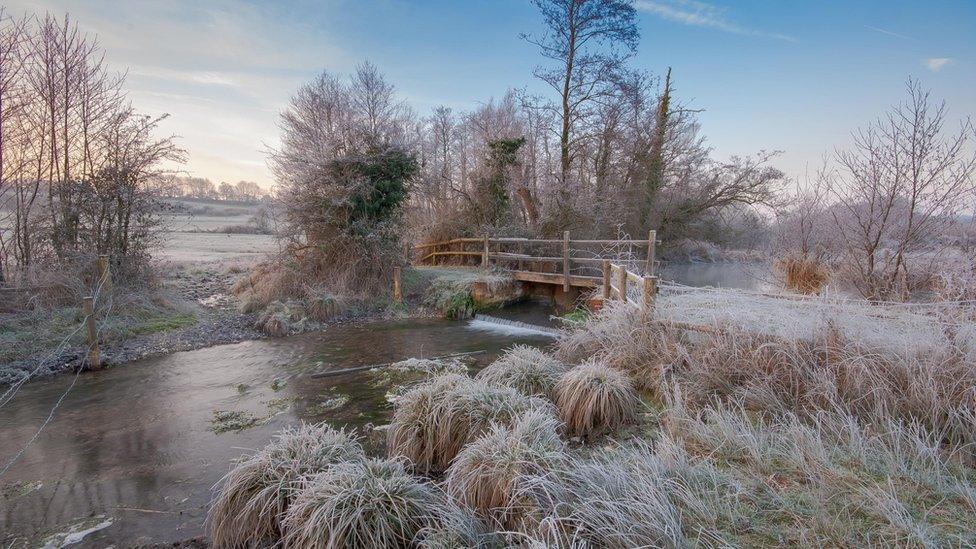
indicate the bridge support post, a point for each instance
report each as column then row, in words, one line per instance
column 484, row 257
column 566, row 261
column 622, row 282
column 606, row 279
column 651, row 246
column 650, row 283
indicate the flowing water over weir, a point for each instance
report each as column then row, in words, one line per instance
column 131, row 454
column 511, row 327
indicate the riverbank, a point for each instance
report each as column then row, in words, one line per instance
column 202, row 311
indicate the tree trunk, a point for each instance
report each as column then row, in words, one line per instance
column 528, row 206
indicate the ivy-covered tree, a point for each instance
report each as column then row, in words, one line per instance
column 344, row 171
column 492, row 203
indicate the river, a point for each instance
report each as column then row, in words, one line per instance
column 132, row 449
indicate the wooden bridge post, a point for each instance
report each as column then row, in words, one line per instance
column 566, row 284
column 622, row 282
column 647, row 304
column 397, row 288
column 484, row 257
column 606, row 279
column 94, row 359
column 651, row 245
column 521, row 261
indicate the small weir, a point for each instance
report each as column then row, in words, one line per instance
column 511, row 327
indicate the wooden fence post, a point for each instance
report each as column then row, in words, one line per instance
column 566, row 261
column 606, row 279
column 484, row 257
column 647, row 304
column 94, row 360
column 651, row 245
column 397, row 288
column 622, row 283
column 104, row 282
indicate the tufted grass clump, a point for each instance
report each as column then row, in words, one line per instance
column 253, row 497
column 526, row 369
column 594, row 398
column 435, row 419
column 632, row 496
column 322, row 306
column 486, row 474
column 372, row 503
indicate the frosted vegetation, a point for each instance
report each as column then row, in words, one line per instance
column 639, row 432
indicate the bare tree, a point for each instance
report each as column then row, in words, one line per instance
column 68, row 136
column 589, row 41
column 119, row 208
column 898, row 189
column 13, row 41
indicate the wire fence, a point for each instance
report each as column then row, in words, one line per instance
column 104, row 305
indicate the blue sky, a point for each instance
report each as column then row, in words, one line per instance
column 792, row 76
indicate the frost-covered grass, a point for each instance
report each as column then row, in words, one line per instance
column 741, row 439
column 121, row 316
column 372, row 503
column 450, row 292
column 253, row 497
column 526, row 369
column 434, row 420
column 594, row 398
column 488, row 472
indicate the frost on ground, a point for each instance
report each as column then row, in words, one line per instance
column 901, row 327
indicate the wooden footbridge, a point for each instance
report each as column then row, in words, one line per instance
column 621, row 269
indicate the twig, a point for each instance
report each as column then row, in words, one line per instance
column 145, row 510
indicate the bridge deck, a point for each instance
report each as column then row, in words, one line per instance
column 558, row 278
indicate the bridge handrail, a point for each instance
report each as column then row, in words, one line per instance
column 611, row 271
column 517, row 240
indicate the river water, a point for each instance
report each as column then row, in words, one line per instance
column 744, row 276
column 131, row 452
column 130, row 455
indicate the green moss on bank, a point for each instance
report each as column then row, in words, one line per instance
column 458, row 294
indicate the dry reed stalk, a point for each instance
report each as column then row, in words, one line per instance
column 803, row 274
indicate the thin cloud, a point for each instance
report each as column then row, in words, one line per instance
column 700, row 14
column 888, row 32
column 936, row 64
column 209, row 78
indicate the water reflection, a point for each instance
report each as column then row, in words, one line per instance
column 135, row 443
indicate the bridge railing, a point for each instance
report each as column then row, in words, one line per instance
column 623, row 268
column 625, row 285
